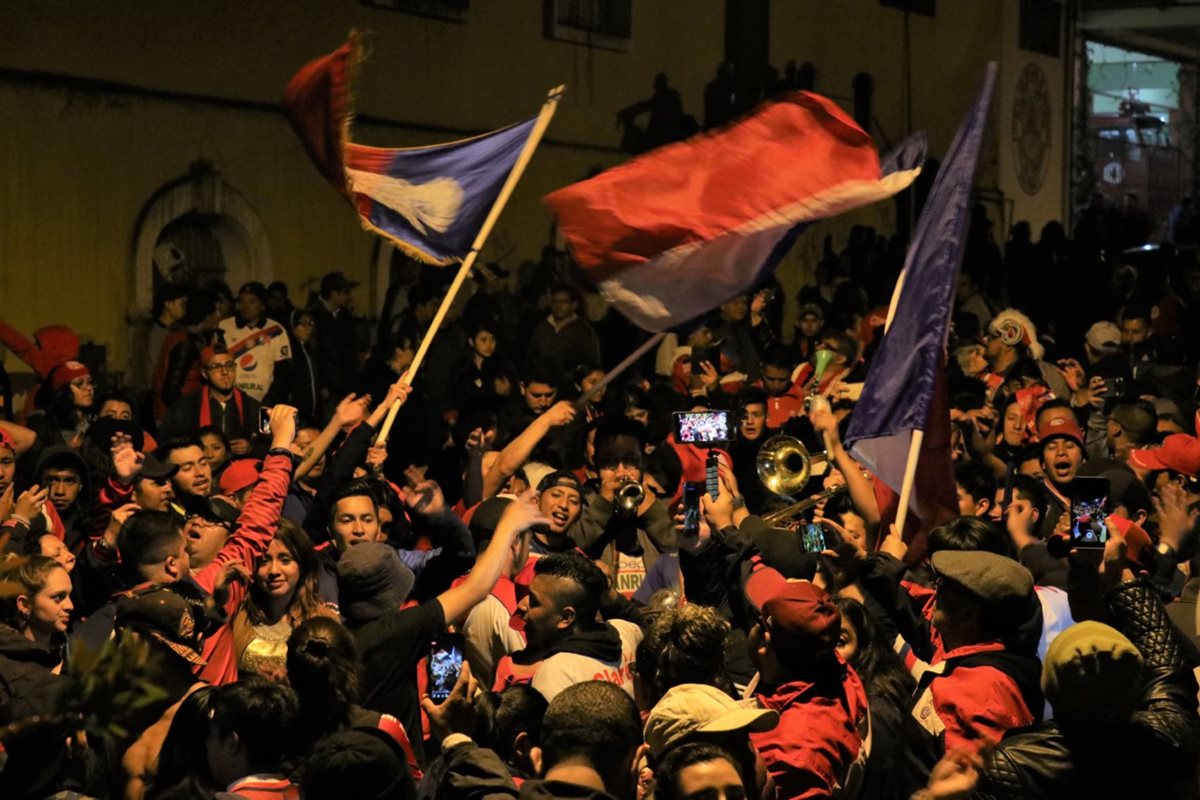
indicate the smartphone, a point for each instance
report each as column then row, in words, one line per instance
column 702, row 427
column 712, row 479
column 1089, row 513
column 1114, row 388
column 813, row 538
column 444, row 665
column 691, row 508
column 711, row 354
column 264, row 420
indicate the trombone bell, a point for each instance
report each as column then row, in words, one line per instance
column 784, row 464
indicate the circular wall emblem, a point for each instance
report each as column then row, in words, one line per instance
column 1114, row 173
column 1031, row 128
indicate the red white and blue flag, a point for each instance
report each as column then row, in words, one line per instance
column 676, row 232
column 430, row 201
column 905, row 386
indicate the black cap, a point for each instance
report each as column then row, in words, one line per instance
column 158, row 470
column 336, row 282
column 165, row 616
column 560, row 478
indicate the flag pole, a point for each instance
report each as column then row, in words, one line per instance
column 910, row 473
column 619, row 368
column 514, row 175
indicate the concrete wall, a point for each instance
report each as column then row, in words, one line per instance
column 201, row 80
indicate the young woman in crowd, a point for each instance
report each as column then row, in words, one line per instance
column 283, row 593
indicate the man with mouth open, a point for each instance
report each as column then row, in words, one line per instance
column 1061, row 441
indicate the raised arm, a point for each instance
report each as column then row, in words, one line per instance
column 518, row 451
column 861, row 493
column 349, row 411
column 260, row 515
column 518, row 517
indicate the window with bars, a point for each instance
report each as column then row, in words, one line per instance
column 449, row 10
column 601, row 23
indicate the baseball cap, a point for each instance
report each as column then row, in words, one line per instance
column 810, row 310
column 1104, row 337
column 157, row 470
column 799, row 615
column 66, row 372
column 336, row 282
column 239, row 474
column 1060, row 426
column 165, row 616
column 692, row 708
column 1178, row 453
column 560, row 478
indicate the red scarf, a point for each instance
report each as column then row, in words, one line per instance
column 206, row 409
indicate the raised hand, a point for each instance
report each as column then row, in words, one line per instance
column 127, row 462
column 352, row 409
column 560, row 413
column 30, row 503
column 283, row 425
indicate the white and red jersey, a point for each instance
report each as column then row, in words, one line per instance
column 256, row 349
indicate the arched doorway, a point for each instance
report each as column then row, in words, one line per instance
column 194, row 229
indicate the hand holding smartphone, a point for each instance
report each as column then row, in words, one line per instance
column 691, row 508
column 444, row 665
column 1089, row 513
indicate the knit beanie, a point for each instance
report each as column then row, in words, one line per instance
column 1092, row 673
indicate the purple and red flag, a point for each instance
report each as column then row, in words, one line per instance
column 676, row 232
column 430, row 201
column 905, row 387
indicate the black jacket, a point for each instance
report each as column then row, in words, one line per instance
column 1156, row 749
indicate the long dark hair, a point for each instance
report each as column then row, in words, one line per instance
column 179, row 773
column 59, row 405
column 307, row 600
column 882, row 673
column 322, row 668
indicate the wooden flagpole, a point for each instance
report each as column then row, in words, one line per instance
column 531, row 144
column 619, row 368
column 910, row 473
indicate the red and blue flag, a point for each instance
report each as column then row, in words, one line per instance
column 676, row 232
column 430, row 201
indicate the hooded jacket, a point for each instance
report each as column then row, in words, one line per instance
column 601, row 654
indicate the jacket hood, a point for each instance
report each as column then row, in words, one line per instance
column 16, row 647
column 602, row 644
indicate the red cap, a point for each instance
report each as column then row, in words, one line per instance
column 207, row 354
column 802, row 617
column 1060, row 426
column 764, row 584
column 239, row 474
column 6, row 441
column 66, row 372
column 1178, row 453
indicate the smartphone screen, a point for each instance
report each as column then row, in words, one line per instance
column 712, row 480
column 1089, row 515
column 813, row 538
column 445, row 665
column 691, row 508
column 264, row 420
column 702, row 427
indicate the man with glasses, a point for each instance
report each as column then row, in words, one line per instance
column 219, row 403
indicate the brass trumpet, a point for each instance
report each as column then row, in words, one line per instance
column 784, row 464
column 783, row 516
column 628, row 498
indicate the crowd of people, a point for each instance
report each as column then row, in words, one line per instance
column 220, row 580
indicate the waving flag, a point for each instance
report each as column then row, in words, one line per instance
column 676, row 232
column 430, row 201
column 903, row 399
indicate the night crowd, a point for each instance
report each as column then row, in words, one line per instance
column 219, row 582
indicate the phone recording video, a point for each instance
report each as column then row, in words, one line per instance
column 445, row 665
column 813, row 538
column 1089, row 515
column 264, row 420
column 702, row 427
column 691, row 508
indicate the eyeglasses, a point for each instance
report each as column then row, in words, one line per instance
column 224, row 366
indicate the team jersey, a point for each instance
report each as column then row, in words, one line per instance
column 256, row 349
